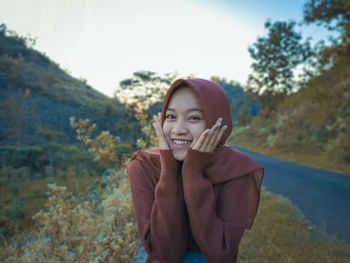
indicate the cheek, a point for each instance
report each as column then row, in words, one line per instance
column 166, row 129
column 198, row 131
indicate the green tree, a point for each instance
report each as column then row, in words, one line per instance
column 143, row 89
column 276, row 56
column 335, row 16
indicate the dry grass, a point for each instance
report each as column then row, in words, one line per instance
column 80, row 229
column 73, row 229
column 33, row 194
column 281, row 235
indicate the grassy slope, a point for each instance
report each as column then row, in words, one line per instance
column 280, row 234
column 242, row 138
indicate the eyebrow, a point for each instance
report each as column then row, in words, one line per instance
column 189, row 110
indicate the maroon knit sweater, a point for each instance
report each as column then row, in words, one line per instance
column 202, row 204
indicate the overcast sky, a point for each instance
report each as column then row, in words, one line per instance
column 105, row 41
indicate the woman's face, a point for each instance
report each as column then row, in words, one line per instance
column 184, row 122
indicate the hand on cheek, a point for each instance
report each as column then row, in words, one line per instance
column 163, row 144
column 210, row 138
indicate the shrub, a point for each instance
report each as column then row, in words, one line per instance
column 74, row 229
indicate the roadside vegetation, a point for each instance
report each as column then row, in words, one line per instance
column 308, row 120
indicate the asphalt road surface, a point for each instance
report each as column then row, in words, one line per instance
column 322, row 196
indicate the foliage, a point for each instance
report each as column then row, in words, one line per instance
column 244, row 105
column 77, row 229
column 276, row 56
column 140, row 92
column 335, row 16
column 16, row 185
column 103, row 146
column 15, row 156
column 16, row 42
column 324, row 12
column 143, row 89
column 316, row 118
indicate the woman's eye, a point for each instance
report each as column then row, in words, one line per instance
column 170, row 116
column 195, row 118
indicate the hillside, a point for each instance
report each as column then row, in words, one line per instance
column 36, row 92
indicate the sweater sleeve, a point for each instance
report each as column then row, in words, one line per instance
column 217, row 225
column 160, row 215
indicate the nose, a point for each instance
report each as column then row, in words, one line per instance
column 180, row 127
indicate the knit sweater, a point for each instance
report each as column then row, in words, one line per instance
column 202, row 204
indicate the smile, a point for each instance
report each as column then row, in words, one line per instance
column 180, row 143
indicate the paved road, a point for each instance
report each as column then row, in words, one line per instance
column 322, row 196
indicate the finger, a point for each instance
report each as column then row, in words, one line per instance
column 156, row 128
column 205, row 142
column 163, row 144
column 198, row 144
column 156, row 123
column 212, row 136
column 157, row 117
column 219, row 136
column 216, row 128
column 211, row 144
column 202, row 143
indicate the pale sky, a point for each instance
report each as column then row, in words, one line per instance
column 105, row 41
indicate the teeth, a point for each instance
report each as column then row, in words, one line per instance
column 180, row 142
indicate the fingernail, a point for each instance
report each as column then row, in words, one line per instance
column 225, row 127
column 220, row 119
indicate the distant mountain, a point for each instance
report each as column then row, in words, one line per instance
column 35, row 91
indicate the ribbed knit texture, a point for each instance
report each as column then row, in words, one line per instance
column 172, row 202
column 160, row 212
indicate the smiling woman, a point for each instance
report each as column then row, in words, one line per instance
column 193, row 197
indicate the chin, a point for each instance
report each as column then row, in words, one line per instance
column 179, row 156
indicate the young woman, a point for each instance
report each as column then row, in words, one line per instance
column 193, row 195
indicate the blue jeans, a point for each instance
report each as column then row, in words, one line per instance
column 193, row 257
